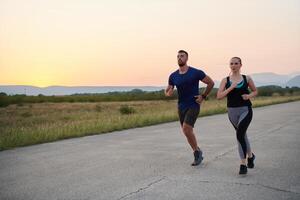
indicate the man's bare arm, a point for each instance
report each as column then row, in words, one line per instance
column 169, row 90
column 210, row 84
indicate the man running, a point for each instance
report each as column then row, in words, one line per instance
column 186, row 79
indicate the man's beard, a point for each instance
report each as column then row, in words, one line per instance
column 181, row 64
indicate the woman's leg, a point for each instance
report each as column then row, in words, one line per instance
column 249, row 152
column 243, row 125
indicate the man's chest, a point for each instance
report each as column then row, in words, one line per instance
column 184, row 80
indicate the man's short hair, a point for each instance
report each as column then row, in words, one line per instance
column 183, row 51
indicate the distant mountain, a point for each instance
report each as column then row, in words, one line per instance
column 260, row 79
column 270, row 78
column 294, row 82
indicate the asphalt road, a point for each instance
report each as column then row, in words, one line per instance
column 154, row 163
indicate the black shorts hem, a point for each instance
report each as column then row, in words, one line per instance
column 188, row 116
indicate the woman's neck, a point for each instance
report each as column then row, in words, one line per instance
column 236, row 74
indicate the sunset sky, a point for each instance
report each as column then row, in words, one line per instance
column 135, row 42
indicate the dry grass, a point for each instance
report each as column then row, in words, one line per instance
column 28, row 124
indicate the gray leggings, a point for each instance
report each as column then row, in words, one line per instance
column 240, row 117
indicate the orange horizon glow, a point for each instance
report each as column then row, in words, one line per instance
column 135, row 43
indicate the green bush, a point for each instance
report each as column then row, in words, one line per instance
column 126, row 110
column 4, row 100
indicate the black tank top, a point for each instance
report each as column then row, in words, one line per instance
column 234, row 97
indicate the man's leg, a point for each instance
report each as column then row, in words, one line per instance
column 188, row 122
column 190, row 118
column 191, row 138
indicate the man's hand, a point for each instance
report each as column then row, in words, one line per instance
column 210, row 84
column 199, row 99
column 169, row 91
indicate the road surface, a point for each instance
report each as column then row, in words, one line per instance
column 154, row 163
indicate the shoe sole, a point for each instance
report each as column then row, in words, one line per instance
column 195, row 164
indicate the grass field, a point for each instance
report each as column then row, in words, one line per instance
column 27, row 124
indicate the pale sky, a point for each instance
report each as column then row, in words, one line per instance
column 135, row 42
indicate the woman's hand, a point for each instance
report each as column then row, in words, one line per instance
column 222, row 91
column 233, row 84
column 246, row 97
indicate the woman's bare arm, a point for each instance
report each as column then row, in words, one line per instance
column 222, row 91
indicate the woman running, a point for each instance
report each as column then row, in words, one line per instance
column 235, row 87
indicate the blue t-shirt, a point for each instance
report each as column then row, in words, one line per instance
column 187, row 85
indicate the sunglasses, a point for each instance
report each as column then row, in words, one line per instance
column 234, row 63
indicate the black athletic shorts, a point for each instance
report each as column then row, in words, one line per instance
column 188, row 116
